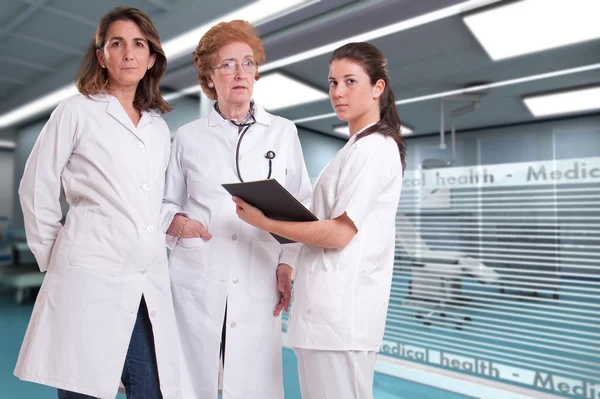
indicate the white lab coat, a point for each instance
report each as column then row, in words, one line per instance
column 109, row 252
column 238, row 264
column 341, row 295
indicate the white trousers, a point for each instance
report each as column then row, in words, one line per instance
column 336, row 374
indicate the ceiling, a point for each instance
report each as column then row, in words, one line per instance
column 43, row 41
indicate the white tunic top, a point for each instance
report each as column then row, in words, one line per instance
column 109, row 253
column 237, row 266
column 341, row 295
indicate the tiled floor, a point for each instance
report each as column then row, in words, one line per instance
column 14, row 319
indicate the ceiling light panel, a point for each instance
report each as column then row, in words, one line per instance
column 567, row 102
column 276, row 90
column 7, row 144
column 473, row 89
column 529, row 26
column 256, row 13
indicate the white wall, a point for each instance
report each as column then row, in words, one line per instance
column 318, row 150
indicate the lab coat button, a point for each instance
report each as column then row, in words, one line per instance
column 141, row 145
column 146, row 186
column 152, row 314
column 309, row 311
column 232, row 325
column 234, row 237
column 150, row 228
column 236, row 280
column 143, row 272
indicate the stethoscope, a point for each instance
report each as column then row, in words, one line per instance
column 242, row 129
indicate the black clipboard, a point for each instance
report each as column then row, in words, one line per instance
column 273, row 200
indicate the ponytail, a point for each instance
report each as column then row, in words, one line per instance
column 389, row 124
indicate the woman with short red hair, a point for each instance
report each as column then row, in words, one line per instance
column 230, row 280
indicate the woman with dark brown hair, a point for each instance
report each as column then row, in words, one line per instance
column 104, row 313
column 344, row 273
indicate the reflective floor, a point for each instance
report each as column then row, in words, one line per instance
column 13, row 323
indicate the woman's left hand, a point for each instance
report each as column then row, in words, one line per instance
column 249, row 214
column 284, row 286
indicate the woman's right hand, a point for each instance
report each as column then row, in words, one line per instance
column 192, row 228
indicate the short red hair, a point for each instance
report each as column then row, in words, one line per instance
column 218, row 36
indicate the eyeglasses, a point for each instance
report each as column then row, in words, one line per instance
column 231, row 67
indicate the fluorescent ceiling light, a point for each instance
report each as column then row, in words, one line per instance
column 174, row 47
column 256, row 13
column 345, row 130
column 381, row 32
column 175, row 95
column 7, row 144
column 529, row 26
column 566, row 102
column 503, row 83
column 367, row 36
column 36, row 107
column 276, row 91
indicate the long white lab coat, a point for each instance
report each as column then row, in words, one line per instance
column 237, row 266
column 109, row 253
column 341, row 295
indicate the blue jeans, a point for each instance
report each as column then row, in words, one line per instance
column 140, row 373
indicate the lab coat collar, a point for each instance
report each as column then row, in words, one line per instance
column 260, row 115
column 353, row 138
column 116, row 110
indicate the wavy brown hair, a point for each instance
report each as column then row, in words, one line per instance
column 91, row 78
column 217, row 37
column 374, row 64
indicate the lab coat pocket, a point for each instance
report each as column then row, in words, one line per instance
column 101, row 244
column 189, row 243
column 192, row 259
column 325, row 294
column 264, row 259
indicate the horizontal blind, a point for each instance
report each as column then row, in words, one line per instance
column 497, row 274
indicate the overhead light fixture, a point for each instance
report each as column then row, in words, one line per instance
column 410, row 23
column 174, row 47
column 345, row 130
column 367, row 36
column 474, row 89
column 178, row 94
column 7, row 144
column 529, row 26
column 256, row 13
column 565, row 102
column 276, row 90
column 38, row 106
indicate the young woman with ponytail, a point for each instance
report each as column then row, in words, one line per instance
column 344, row 274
